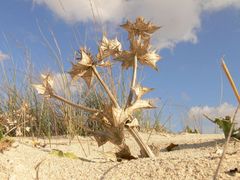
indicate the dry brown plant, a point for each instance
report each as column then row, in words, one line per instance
column 112, row 117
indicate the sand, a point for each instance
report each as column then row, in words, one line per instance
column 196, row 157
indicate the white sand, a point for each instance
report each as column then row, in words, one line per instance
column 196, row 158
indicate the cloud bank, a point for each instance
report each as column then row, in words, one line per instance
column 3, row 56
column 181, row 20
column 225, row 109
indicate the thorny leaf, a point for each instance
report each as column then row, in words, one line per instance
column 127, row 59
column 150, row 59
column 83, row 68
column 119, row 115
column 138, row 47
column 140, row 28
column 109, row 48
column 111, row 120
column 139, row 91
column 40, row 88
column 105, row 116
column 46, row 87
column 104, row 64
column 47, row 80
column 110, row 116
column 140, row 104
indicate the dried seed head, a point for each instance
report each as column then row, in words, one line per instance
column 46, row 87
column 140, row 28
column 83, row 68
column 109, row 48
column 150, row 59
column 127, row 59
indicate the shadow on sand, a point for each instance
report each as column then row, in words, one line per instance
column 197, row 145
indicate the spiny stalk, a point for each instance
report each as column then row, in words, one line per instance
column 113, row 99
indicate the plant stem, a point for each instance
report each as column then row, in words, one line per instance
column 133, row 83
column 113, row 99
column 147, row 152
column 75, row 105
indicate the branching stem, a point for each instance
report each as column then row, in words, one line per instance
column 146, row 151
column 75, row 105
column 113, row 99
column 133, row 83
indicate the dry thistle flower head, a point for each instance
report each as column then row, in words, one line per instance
column 83, row 67
column 46, row 87
column 109, row 47
column 140, row 28
column 139, row 34
column 150, row 59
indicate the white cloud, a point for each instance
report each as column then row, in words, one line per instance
column 3, row 56
column 180, row 19
column 225, row 109
column 220, row 4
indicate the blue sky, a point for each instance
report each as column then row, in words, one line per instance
column 189, row 72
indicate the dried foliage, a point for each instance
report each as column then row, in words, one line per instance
column 5, row 144
column 139, row 34
column 18, row 122
column 111, row 116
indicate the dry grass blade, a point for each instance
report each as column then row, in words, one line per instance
column 225, row 68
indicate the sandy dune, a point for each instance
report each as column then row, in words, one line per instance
column 196, row 157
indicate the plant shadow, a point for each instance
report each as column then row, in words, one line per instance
column 185, row 146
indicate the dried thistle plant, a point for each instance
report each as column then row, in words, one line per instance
column 111, row 116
